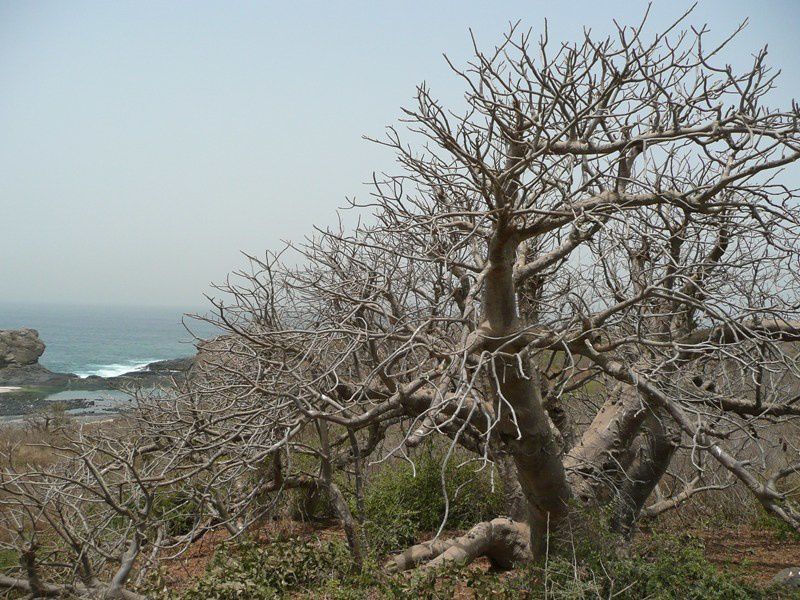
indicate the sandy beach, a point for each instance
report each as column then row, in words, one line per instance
column 8, row 388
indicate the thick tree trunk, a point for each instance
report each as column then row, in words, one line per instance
column 515, row 502
column 530, row 442
column 524, row 426
column 338, row 500
column 349, row 524
column 597, row 457
column 660, row 439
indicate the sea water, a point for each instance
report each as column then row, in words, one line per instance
column 96, row 340
column 106, row 340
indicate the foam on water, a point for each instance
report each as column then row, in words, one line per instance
column 105, row 341
column 114, row 370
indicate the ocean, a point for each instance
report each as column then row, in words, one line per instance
column 105, row 341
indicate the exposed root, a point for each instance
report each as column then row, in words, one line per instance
column 502, row 540
column 49, row 590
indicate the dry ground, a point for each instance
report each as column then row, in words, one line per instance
column 756, row 554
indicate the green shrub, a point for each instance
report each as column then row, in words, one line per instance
column 676, row 568
column 668, row 569
column 178, row 509
column 665, row 569
column 309, row 504
column 431, row 585
column 261, row 571
column 8, row 559
column 400, row 505
column 782, row 530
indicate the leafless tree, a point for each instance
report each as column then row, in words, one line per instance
column 587, row 271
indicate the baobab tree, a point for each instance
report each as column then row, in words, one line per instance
column 607, row 213
column 586, row 272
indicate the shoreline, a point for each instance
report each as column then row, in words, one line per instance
column 16, row 378
column 30, row 389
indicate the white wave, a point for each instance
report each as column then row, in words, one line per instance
column 114, row 370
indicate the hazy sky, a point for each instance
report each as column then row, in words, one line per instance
column 144, row 144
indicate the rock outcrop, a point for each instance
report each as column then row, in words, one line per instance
column 34, row 375
column 20, row 350
column 172, row 365
column 20, row 347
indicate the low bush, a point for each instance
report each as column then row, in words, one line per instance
column 178, row 510
column 670, row 568
column 665, row 568
column 261, row 571
column 8, row 559
column 402, row 502
column 782, row 530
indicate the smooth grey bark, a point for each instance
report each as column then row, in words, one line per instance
column 338, row 500
column 503, row 541
column 515, row 502
column 523, row 422
column 600, row 450
column 660, row 439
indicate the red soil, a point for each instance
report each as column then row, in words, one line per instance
column 754, row 554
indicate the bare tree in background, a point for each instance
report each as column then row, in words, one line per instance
column 589, row 270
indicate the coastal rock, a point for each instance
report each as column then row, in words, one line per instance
column 173, row 365
column 34, row 375
column 155, row 374
column 20, row 350
column 20, row 347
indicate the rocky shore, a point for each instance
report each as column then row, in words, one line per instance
column 20, row 350
column 24, row 383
